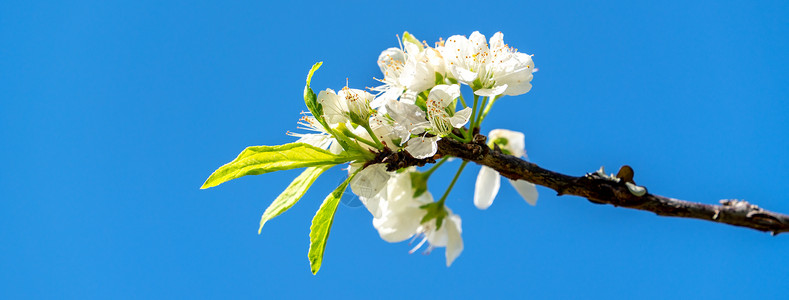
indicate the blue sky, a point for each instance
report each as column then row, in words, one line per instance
column 113, row 113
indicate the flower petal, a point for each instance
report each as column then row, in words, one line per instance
column 455, row 241
column 417, row 76
column 370, row 181
column 516, row 73
column 487, row 186
column 391, row 58
column 497, row 41
column 526, row 189
column 422, row 147
column 477, row 43
column 460, row 118
column 464, row 75
column 443, row 94
column 495, row 91
column 374, row 205
column 396, row 226
column 334, row 108
column 316, row 139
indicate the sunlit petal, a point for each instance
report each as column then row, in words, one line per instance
column 487, row 186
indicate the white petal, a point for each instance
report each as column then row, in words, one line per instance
column 435, row 60
column 422, row 147
column 395, row 227
column 370, row 181
column 460, row 118
column 455, row 241
column 409, row 97
column 497, row 40
column 316, row 139
column 444, row 94
column 453, row 49
column 390, row 58
column 412, row 48
column 495, row 91
column 335, row 147
column 464, row 75
column 526, row 189
column 487, row 186
column 399, row 192
column 417, row 76
column 391, row 93
column 374, row 205
column 516, row 72
column 521, row 88
column 334, row 108
column 478, row 43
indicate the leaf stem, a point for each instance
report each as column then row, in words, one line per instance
column 487, row 108
column 435, row 166
column 452, row 184
column 363, row 140
column 477, row 122
column 459, row 139
column 463, row 101
column 473, row 117
column 375, row 138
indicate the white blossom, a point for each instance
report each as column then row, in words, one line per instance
column 440, row 97
column 391, row 62
column 489, row 69
column 407, row 72
column 447, row 236
column 489, row 181
column 397, row 216
column 349, row 105
column 406, row 119
column 441, row 122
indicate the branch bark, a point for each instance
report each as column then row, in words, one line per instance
column 602, row 190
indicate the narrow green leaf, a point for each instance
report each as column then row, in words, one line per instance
column 292, row 194
column 321, row 225
column 258, row 160
column 310, row 99
column 421, row 100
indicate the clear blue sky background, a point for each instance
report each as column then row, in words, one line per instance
column 113, row 113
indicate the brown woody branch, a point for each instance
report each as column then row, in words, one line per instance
column 602, row 190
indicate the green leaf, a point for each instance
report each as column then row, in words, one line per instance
column 439, row 79
column 421, row 100
column 435, row 210
column 321, row 225
column 292, row 194
column 418, row 183
column 258, row 160
column 310, row 99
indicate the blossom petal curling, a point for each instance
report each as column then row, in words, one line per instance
column 527, row 190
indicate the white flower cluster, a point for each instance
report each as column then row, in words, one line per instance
column 418, row 104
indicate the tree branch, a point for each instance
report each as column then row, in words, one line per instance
column 603, row 190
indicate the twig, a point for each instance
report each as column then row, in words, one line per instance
column 605, row 190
